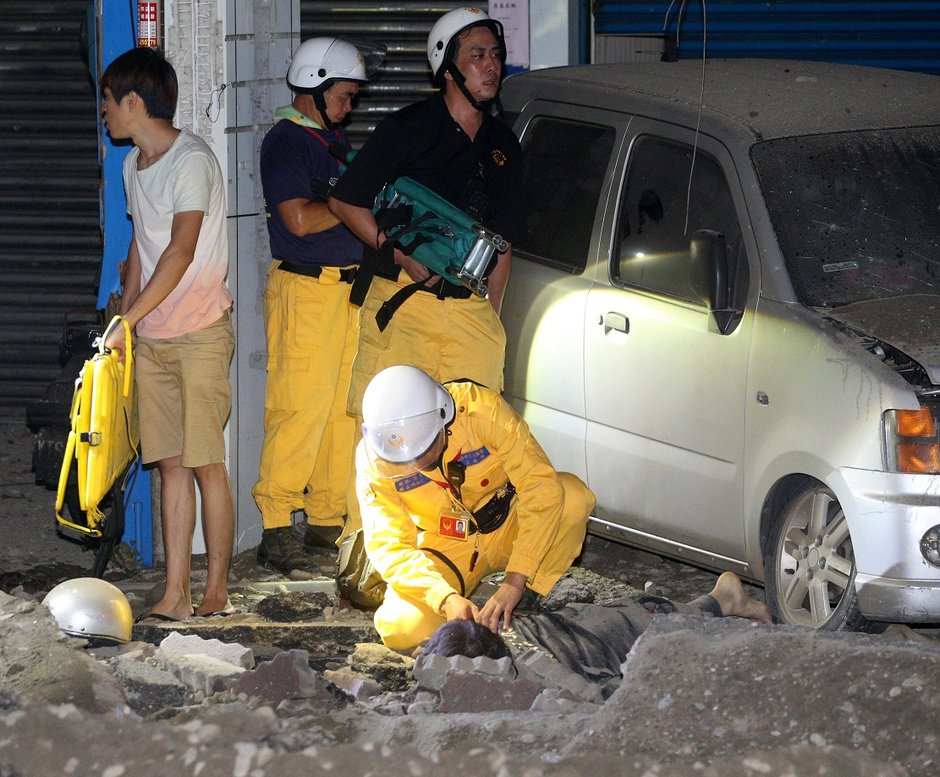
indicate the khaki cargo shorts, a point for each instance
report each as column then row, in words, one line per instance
column 183, row 394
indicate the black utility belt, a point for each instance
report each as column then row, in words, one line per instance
column 442, row 290
column 494, row 513
column 445, row 289
column 315, row 270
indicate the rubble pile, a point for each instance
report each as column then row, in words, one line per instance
column 698, row 697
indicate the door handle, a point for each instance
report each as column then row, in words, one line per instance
column 616, row 322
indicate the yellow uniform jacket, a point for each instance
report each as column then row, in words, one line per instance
column 402, row 516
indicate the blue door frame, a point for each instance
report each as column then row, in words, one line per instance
column 118, row 33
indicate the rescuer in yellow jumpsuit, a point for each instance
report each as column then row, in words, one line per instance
column 453, row 487
column 311, row 329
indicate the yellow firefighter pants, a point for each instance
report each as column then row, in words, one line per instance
column 312, row 335
column 449, row 339
column 403, row 622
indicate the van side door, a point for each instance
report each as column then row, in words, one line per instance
column 666, row 371
column 569, row 153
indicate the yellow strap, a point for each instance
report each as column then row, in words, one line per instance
column 128, row 351
column 68, row 459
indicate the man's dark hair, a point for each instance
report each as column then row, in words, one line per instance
column 145, row 71
column 466, row 638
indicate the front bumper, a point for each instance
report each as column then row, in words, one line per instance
column 888, row 514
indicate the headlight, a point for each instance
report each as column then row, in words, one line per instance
column 911, row 441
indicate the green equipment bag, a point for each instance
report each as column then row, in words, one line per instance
column 356, row 579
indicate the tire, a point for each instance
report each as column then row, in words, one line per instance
column 809, row 566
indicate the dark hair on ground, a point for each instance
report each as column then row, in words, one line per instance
column 145, row 71
column 466, row 638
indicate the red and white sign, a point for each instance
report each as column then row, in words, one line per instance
column 147, row 24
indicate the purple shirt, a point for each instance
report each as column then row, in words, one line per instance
column 293, row 156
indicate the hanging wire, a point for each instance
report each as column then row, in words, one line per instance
column 215, row 98
column 698, row 121
column 701, row 101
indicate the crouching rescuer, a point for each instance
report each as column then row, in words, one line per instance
column 453, row 487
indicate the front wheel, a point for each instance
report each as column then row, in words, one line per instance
column 809, row 566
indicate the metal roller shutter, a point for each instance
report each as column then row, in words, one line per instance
column 403, row 26
column 901, row 34
column 50, row 241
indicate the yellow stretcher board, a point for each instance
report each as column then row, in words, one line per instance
column 104, row 437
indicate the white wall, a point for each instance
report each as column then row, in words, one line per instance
column 231, row 58
column 261, row 36
column 194, row 41
column 552, row 33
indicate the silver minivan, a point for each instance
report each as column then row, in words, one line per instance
column 726, row 319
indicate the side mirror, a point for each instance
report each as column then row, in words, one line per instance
column 710, row 276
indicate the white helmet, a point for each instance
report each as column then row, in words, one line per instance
column 318, row 62
column 91, row 608
column 404, row 412
column 442, row 41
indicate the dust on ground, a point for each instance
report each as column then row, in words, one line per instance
column 698, row 698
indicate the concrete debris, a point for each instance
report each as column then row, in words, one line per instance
column 431, row 671
column 287, row 676
column 722, row 686
column 793, row 701
column 202, row 673
column 39, row 661
column 148, row 688
column 389, row 669
column 290, row 607
column 536, row 668
column 358, row 687
column 542, row 669
column 557, row 701
column 470, row 692
column 424, row 703
column 177, row 644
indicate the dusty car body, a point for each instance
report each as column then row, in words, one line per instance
column 725, row 319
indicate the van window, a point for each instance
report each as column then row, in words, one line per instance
column 564, row 169
column 856, row 213
column 662, row 207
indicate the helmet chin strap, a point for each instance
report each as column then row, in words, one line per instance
column 320, row 102
column 461, row 85
column 439, row 464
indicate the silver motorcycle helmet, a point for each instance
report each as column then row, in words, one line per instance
column 91, row 608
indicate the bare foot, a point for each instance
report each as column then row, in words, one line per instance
column 164, row 611
column 729, row 593
column 901, row 631
column 221, row 607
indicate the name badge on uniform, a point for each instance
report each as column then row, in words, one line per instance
column 453, row 523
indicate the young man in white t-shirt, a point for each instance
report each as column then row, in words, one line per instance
column 175, row 297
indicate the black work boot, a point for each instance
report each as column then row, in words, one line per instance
column 279, row 552
column 319, row 538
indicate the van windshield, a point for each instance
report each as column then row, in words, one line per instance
column 857, row 214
